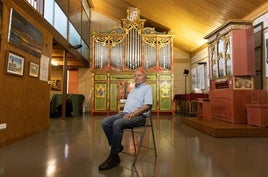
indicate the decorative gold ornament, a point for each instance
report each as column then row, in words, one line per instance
column 165, row 91
column 109, row 41
column 100, row 91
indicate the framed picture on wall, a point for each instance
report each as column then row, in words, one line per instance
column 33, row 69
column 15, row 64
column 24, row 34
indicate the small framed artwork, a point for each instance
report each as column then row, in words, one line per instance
column 33, row 69
column 15, row 64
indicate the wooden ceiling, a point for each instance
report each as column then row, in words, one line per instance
column 190, row 20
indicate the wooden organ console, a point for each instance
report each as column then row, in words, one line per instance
column 118, row 53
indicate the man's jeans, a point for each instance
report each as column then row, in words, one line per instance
column 114, row 126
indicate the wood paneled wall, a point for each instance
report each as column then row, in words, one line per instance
column 24, row 103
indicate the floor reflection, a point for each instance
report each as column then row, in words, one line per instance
column 75, row 147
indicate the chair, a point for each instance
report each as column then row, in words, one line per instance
column 136, row 130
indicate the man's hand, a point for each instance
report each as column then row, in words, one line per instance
column 139, row 111
column 129, row 115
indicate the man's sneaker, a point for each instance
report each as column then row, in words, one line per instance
column 112, row 161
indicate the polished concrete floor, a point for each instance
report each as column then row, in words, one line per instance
column 74, row 147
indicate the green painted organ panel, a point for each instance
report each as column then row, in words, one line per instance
column 101, row 77
column 100, row 96
column 154, row 87
column 151, row 77
column 108, row 88
column 113, row 97
column 124, row 77
column 165, row 96
column 165, row 77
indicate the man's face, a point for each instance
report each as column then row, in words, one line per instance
column 139, row 77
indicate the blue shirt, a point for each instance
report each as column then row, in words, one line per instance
column 140, row 95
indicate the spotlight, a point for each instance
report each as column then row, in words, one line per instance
column 185, row 72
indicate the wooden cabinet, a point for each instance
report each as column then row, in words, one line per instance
column 229, row 105
column 232, row 70
column 257, row 114
column 204, row 109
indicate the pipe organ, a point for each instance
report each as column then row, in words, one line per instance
column 232, row 68
column 118, row 53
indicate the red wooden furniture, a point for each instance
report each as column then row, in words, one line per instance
column 232, row 67
column 257, row 111
column 204, row 109
column 257, row 114
column 229, row 105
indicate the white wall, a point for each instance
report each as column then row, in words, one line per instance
column 200, row 57
column 181, row 61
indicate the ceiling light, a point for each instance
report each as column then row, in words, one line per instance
column 54, row 63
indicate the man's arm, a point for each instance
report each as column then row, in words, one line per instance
column 139, row 111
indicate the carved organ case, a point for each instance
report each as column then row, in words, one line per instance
column 118, row 53
column 232, row 70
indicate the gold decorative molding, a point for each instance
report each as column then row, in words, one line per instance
column 109, row 41
column 157, row 41
column 243, row 83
